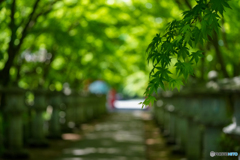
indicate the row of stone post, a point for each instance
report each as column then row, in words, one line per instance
column 195, row 120
column 78, row 109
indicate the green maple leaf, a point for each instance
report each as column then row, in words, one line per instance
column 196, row 55
column 151, row 99
column 169, row 47
column 185, row 28
column 148, row 100
column 213, row 21
column 188, row 36
column 188, row 69
column 161, row 84
column 175, row 83
column 151, row 88
column 187, row 14
column 165, row 59
column 198, row 36
column 179, row 67
column 204, row 28
column 183, row 52
column 178, row 34
column 218, row 5
column 155, row 42
column 177, row 39
column 164, row 73
column 154, row 56
column 198, row 8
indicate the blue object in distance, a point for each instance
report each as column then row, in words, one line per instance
column 98, row 87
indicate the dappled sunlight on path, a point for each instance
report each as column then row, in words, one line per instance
column 120, row 137
column 123, row 135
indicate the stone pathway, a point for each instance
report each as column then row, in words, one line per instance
column 119, row 137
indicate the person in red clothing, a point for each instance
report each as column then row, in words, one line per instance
column 111, row 98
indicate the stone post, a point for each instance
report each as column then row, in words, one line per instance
column 14, row 110
column 1, row 135
column 89, row 107
column 172, row 120
column 79, row 110
column 103, row 104
column 160, row 105
column 154, row 112
column 234, row 129
column 167, row 96
column 166, row 122
column 163, row 119
column 214, row 117
column 194, row 143
column 101, row 108
column 69, row 111
column 237, row 115
column 182, row 127
column 96, row 103
column 84, row 103
column 38, row 136
column 179, row 126
column 158, row 111
column 54, row 124
column 96, row 106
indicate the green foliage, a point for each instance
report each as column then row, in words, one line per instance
column 106, row 39
column 74, row 42
column 179, row 41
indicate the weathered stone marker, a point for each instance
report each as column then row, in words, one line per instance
column 234, row 128
column 83, row 104
column 200, row 117
column 54, row 124
column 172, row 123
column 214, row 118
column 1, row 135
column 37, row 129
column 70, row 113
column 14, row 110
column 101, row 109
column 90, row 101
column 180, row 125
column 80, row 117
column 194, row 139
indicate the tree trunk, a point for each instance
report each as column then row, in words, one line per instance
column 13, row 50
column 219, row 55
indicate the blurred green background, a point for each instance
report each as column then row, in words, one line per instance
column 49, row 43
